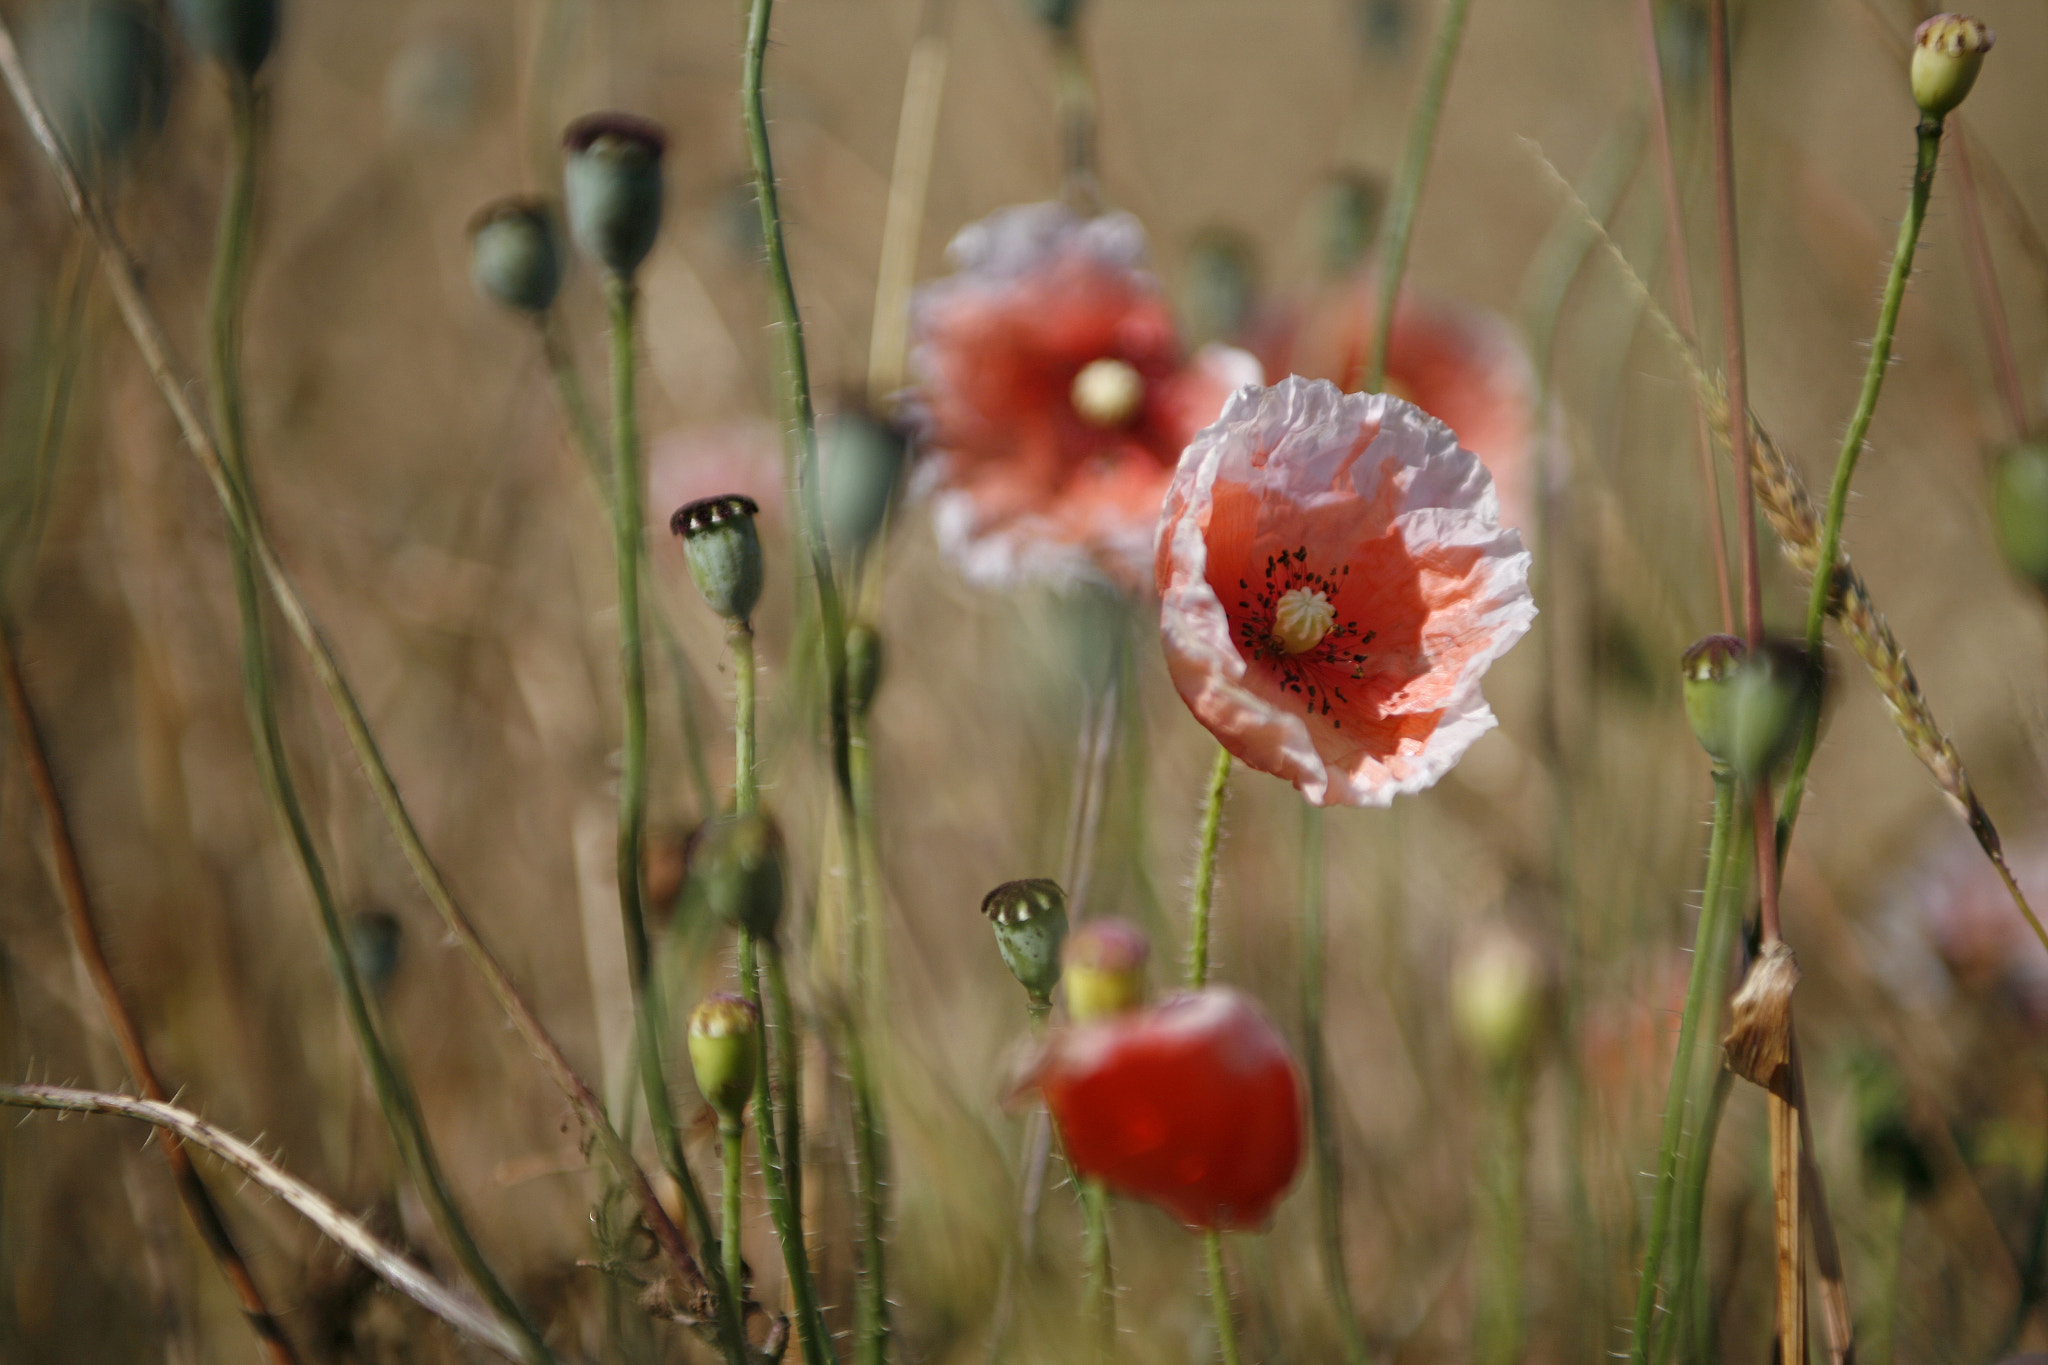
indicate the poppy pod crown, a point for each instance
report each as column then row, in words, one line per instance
column 1334, row 582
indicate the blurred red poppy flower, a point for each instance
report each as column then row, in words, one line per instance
column 1193, row 1104
column 1464, row 366
column 1052, row 397
column 1334, row 582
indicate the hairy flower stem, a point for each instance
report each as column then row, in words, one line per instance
column 1205, row 871
column 1826, row 582
column 146, row 330
column 69, row 873
column 1098, row 1275
column 394, row 1092
column 732, row 1178
column 1724, row 835
column 1399, row 223
column 628, row 522
column 831, row 618
column 784, row 1207
column 1327, row 1152
column 746, row 790
column 1219, row 1296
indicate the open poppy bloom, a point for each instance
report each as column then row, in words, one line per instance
column 1462, row 365
column 1334, row 581
column 1192, row 1104
column 1052, row 397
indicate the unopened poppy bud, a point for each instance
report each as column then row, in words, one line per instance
column 725, row 1052
column 103, row 76
column 738, row 861
column 724, row 552
column 374, row 940
column 1709, row 670
column 863, row 667
column 1105, row 969
column 1948, row 50
column 612, row 185
column 237, row 33
column 1776, row 692
column 514, row 255
column 862, row 461
column 1108, row 392
column 1030, row 919
column 1497, row 998
column 2019, row 506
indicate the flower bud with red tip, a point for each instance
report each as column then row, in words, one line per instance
column 1193, row 1104
column 1105, row 969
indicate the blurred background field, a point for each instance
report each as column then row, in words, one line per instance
column 425, row 491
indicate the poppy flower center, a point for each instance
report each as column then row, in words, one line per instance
column 1108, row 392
column 1301, row 618
column 1290, row 620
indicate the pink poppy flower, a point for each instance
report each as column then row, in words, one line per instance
column 1193, row 1104
column 1462, row 365
column 1052, row 396
column 1334, row 581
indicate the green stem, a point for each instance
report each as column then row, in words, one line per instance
column 1681, row 1069
column 1205, row 871
column 870, row 1178
column 394, row 1093
column 1219, row 1296
column 1498, row 1338
column 628, row 536
column 775, row 1170
column 729, row 1224
column 1099, row 1276
column 746, row 791
column 1927, row 137
column 1327, row 1154
column 1075, row 97
column 1399, row 223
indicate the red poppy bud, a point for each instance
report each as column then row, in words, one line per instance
column 1193, row 1105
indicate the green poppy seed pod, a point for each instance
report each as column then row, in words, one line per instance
column 862, row 459
column 1948, row 50
column 1219, row 286
column 724, row 552
column 1104, row 963
column 2019, row 506
column 375, row 938
column 103, row 75
column 239, row 34
column 1497, row 998
column 515, row 254
column 1030, row 920
column 738, row 861
column 611, row 182
column 863, row 667
column 725, row 1052
column 1777, row 690
column 1708, row 670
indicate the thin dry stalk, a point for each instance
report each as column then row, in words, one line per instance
column 465, row 1315
column 1760, row 1049
column 69, row 874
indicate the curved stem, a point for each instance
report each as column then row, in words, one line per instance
column 1401, row 205
column 391, row 1264
column 1327, row 1153
column 1205, row 871
column 1718, row 852
column 1219, row 1296
column 394, row 1092
column 200, row 1206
